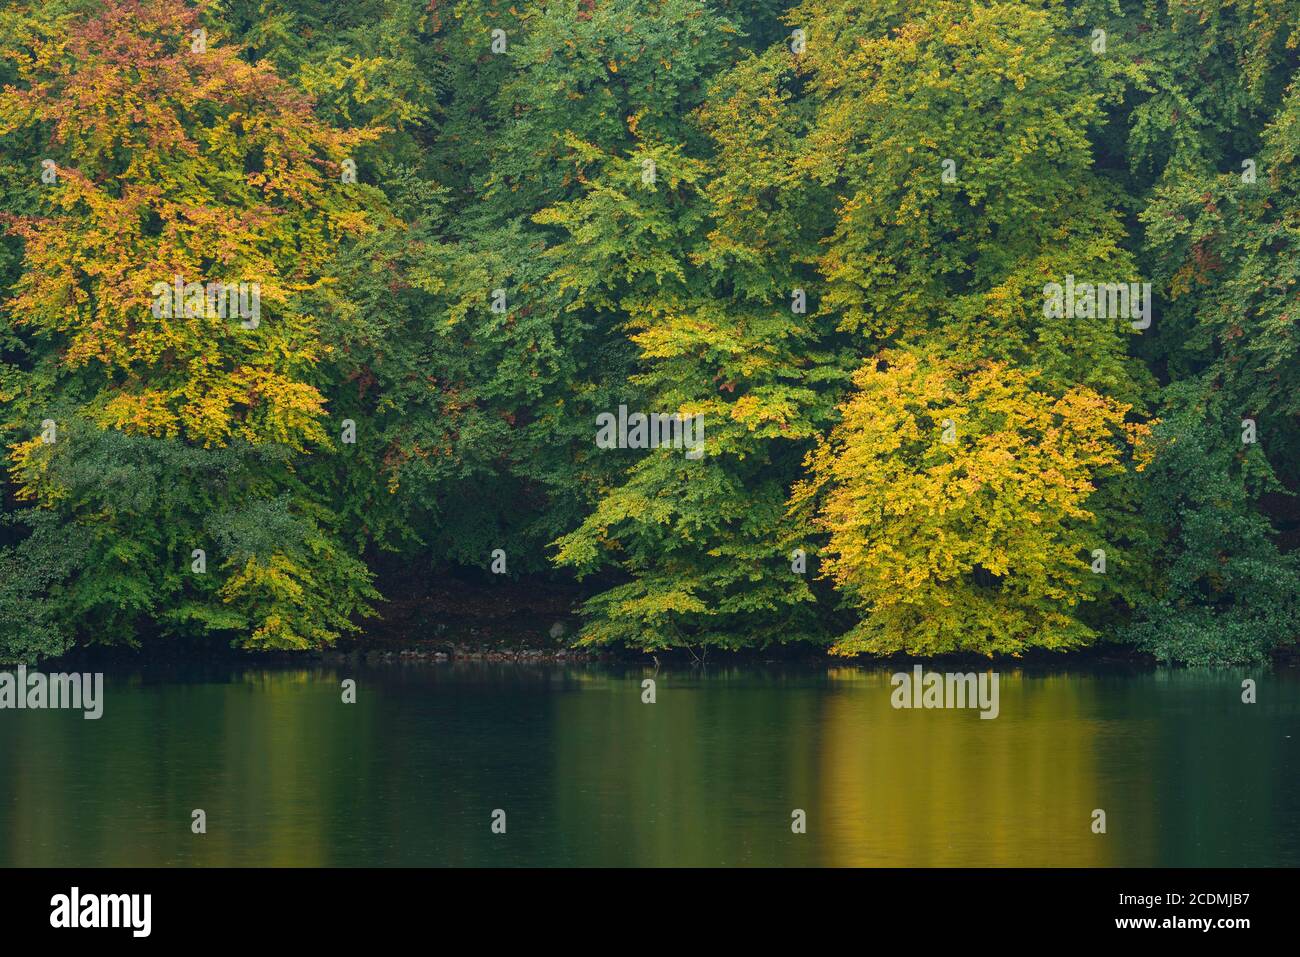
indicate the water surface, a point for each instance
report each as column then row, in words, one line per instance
column 587, row 774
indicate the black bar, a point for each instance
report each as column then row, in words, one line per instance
column 207, row 905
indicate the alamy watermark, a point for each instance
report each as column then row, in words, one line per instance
column 656, row 430
column 1103, row 300
column 947, row 690
column 76, row 910
column 179, row 299
column 38, row 691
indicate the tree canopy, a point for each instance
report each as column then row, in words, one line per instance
column 981, row 317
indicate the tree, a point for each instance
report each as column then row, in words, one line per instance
column 1228, row 595
column 477, row 229
column 701, row 541
column 954, row 494
column 181, row 169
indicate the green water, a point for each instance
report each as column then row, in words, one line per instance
column 708, row 775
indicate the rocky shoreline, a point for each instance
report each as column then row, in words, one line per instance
column 450, row 653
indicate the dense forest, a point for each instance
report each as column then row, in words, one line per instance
column 917, row 326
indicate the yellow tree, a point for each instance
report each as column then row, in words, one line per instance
column 954, row 494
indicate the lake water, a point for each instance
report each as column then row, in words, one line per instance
column 709, row 774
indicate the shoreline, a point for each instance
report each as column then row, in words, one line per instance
column 450, row 619
column 440, row 651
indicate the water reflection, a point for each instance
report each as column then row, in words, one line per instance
column 709, row 775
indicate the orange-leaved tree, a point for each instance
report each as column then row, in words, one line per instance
column 190, row 200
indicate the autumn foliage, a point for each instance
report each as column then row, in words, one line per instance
column 955, row 496
column 824, row 227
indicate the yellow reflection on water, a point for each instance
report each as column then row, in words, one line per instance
column 943, row 787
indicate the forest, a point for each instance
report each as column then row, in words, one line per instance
column 873, row 326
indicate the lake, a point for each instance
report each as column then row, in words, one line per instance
column 710, row 774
